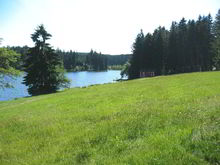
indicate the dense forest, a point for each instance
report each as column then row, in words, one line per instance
column 78, row 61
column 91, row 61
column 188, row 46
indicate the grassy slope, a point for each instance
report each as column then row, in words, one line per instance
column 161, row 120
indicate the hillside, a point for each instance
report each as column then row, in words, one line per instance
column 161, row 120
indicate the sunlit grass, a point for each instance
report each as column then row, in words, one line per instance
column 162, row 120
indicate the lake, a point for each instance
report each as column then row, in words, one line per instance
column 78, row 79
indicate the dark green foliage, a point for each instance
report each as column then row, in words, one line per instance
column 191, row 45
column 23, row 51
column 44, row 68
column 160, row 42
column 77, row 61
column 137, row 57
column 186, row 47
column 96, row 61
column 204, row 39
column 172, row 64
column 74, row 61
column 216, row 42
column 117, row 59
column 69, row 59
column 148, row 53
column 181, row 46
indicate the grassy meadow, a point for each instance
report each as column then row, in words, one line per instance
column 161, row 120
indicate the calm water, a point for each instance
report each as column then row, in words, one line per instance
column 78, row 79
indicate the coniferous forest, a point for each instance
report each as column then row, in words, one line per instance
column 188, row 46
column 79, row 61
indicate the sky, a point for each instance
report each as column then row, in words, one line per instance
column 107, row 26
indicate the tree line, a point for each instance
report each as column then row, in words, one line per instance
column 188, row 46
column 79, row 61
column 74, row 61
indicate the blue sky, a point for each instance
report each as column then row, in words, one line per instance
column 108, row 26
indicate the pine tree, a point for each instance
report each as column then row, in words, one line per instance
column 45, row 73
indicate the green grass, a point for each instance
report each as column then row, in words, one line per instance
column 161, row 120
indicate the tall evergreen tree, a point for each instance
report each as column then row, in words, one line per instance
column 204, row 39
column 216, row 42
column 148, row 53
column 209, row 39
column 172, row 49
column 135, row 68
column 160, row 44
column 45, row 73
column 182, row 49
column 191, row 47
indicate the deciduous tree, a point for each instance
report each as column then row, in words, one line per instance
column 8, row 61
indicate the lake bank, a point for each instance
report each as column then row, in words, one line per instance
column 78, row 79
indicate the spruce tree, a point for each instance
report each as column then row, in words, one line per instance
column 191, row 47
column 148, row 64
column 204, row 38
column 172, row 64
column 45, row 73
column 137, row 56
column 216, row 42
column 182, row 49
